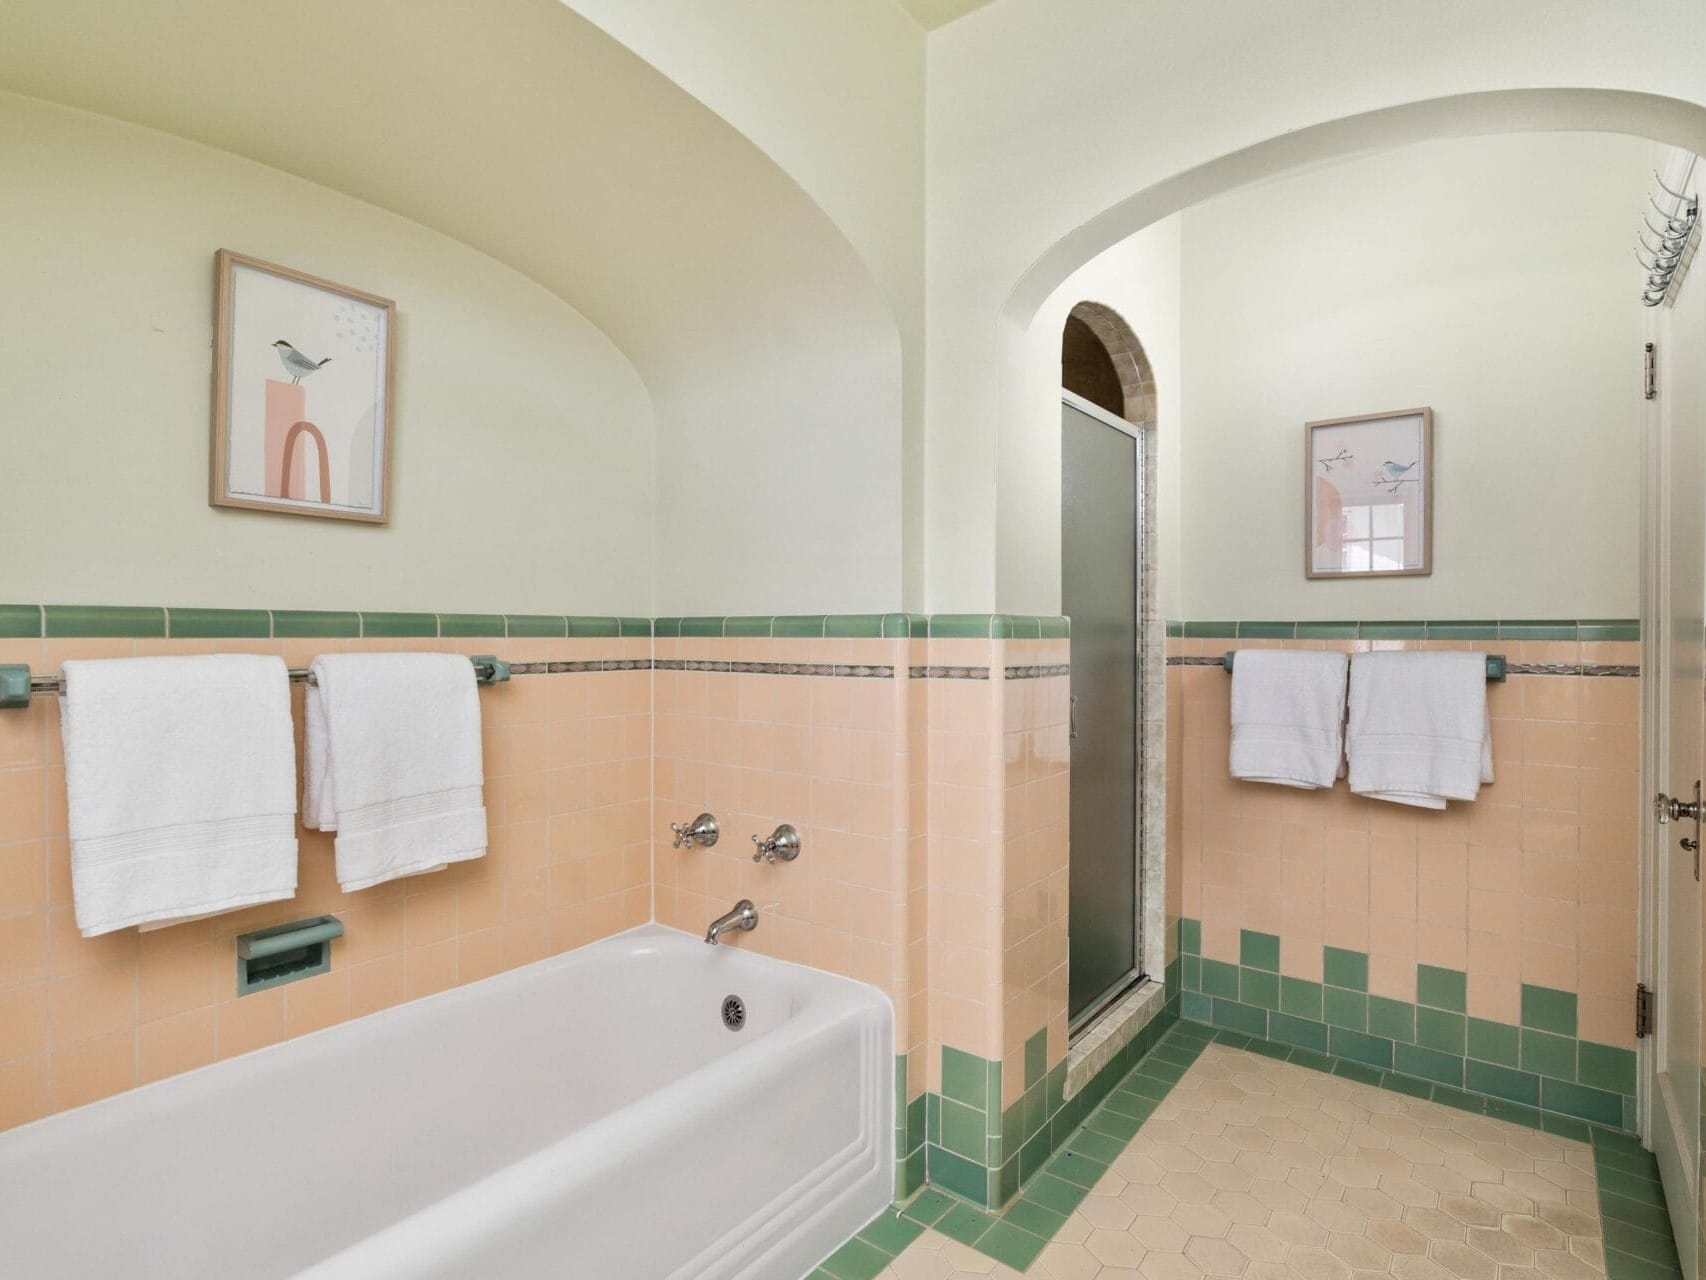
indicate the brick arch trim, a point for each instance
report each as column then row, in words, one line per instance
column 1137, row 378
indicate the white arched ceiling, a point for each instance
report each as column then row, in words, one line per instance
column 771, row 355
column 833, row 91
column 1046, row 114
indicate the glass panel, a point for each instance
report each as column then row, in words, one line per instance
column 1389, row 553
column 1389, row 520
column 1100, row 500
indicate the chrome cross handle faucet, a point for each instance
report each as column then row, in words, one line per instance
column 702, row 831
column 744, row 917
column 784, row 843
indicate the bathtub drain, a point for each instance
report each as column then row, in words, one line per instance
column 734, row 1012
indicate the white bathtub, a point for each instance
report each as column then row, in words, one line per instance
column 586, row 1117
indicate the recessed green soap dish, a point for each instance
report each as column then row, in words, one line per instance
column 285, row 952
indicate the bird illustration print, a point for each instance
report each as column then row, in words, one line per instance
column 1393, row 476
column 297, row 365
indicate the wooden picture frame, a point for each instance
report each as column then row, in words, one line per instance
column 275, row 446
column 1368, row 495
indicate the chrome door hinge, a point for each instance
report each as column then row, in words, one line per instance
column 1643, row 1010
column 1649, row 373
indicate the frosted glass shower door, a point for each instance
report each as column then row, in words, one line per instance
column 1101, row 592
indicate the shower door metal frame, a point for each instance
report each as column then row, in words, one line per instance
column 1135, row 976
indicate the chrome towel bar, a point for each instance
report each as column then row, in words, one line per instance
column 1496, row 665
column 18, row 686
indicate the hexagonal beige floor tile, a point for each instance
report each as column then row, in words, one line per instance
column 1253, row 1169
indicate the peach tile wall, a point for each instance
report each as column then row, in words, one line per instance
column 966, row 872
column 828, row 754
column 1036, row 806
column 1174, row 822
column 918, row 935
column 1535, row 882
column 933, row 814
column 567, row 759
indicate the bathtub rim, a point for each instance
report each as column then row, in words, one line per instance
column 852, row 990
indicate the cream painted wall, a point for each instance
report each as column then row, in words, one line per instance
column 833, row 92
column 1056, row 128
column 523, row 465
column 1139, row 278
column 1488, row 278
column 773, row 357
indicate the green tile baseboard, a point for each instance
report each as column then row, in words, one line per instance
column 1540, row 1064
column 1018, row 1233
column 1579, row 629
column 984, row 1153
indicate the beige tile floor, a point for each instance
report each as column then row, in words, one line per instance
column 1252, row 1169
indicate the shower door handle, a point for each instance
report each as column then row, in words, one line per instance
column 1671, row 810
column 1072, row 718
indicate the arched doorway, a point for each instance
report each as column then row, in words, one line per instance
column 1107, row 454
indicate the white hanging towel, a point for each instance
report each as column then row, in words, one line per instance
column 392, row 763
column 1419, row 730
column 1288, row 716
column 180, row 777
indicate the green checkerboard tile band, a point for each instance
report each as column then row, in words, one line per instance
column 1540, row 1065
column 1638, row 1242
column 1579, row 629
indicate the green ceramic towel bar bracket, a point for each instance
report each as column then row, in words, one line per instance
column 1496, row 667
column 17, row 685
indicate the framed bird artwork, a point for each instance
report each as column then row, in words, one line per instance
column 302, row 373
column 1368, row 495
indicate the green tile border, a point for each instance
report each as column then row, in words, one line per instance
column 31, row 621
column 107, row 621
column 595, row 628
column 1586, row 629
column 537, row 625
column 399, row 624
column 1639, row 1242
column 1431, row 1041
column 20, row 622
column 471, row 624
column 1127, row 1093
column 315, row 624
column 223, row 624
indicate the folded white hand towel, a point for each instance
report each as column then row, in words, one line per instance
column 180, row 774
column 1419, row 731
column 393, row 763
column 1288, row 714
